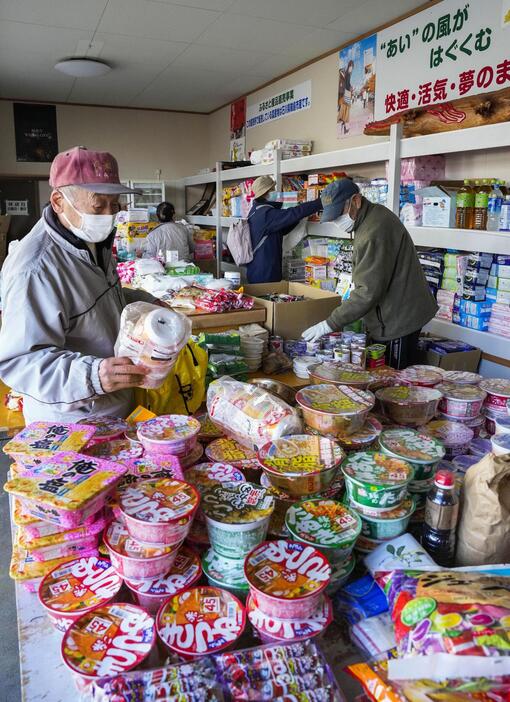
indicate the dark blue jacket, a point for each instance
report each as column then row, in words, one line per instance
column 274, row 222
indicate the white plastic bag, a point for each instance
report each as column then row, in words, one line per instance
column 248, row 414
column 152, row 337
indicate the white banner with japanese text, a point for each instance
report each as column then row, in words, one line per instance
column 285, row 103
column 452, row 50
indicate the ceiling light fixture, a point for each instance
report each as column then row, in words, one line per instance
column 83, row 67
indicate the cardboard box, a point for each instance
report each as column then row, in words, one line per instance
column 439, row 206
column 290, row 319
column 456, row 360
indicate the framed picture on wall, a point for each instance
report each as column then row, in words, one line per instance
column 35, row 129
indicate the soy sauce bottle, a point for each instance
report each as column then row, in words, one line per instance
column 441, row 514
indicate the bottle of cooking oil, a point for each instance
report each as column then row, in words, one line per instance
column 482, row 192
column 465, row 206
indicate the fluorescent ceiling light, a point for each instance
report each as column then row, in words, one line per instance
column 83, row 67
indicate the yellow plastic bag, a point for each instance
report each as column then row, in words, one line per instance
column 184, row 389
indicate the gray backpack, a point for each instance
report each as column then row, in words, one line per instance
column 239, row 241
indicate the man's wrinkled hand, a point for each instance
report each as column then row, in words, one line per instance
column 119, row 374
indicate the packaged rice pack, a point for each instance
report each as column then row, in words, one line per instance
column 249, row 414
column 66, row 488
column 449, row 624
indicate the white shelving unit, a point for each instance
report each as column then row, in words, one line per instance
column 394, row 149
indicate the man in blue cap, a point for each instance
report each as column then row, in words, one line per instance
column 390, row 292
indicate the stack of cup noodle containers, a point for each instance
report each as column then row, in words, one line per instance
column 230, row 451
column 237, row 516
column 174, row 434
column 377, row 486
column 462, row 404
column 204, row 476
column 409, row 405
column 110, row 639
column 422, row 452
column 106, row 429
column 421, row 376
column 455, row 437
column 287, row 581
column 200, row 621
column 497, row 402
column 331, row 528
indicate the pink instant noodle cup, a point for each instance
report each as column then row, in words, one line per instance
column 273, row 630
column 77, row 587
column 136, row 561
column 110, row 639
column 461, row 401
column 498, row 394
column 158, row 511
column 107, row 428
column 200, row 621
column 186, row 571
column 287, row 578
column 172, row 433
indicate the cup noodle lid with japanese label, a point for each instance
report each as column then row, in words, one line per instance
column 237, row 503
column 107, row 427
column 206, row 475
column 287, row 570
column 323, row 523
column 290, row 629
column 295, row 455
column 230, row 451
column 185, row 572
column 154, row 465
column 377, row 469
column 46, row 438
column 78, row 586
column 118, row 450
column 411, row 445
column 159, row 501
column 332, row 399
column 118, row 539
column 200, row 621
column 169, row 428
column 110, row 639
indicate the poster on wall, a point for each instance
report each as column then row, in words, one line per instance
column 16, row 207
column 285, row 103
column 356, row 86
column 453, row 50
column 238, row 130
column 35, row 129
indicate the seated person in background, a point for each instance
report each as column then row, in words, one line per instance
column 169, row 236
column 268, row 225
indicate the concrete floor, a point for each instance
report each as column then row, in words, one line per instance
column 10, row 690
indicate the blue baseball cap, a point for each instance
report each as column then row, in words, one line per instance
column 334, row 196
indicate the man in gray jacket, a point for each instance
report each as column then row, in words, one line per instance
column 390, row 292
column 62, row 299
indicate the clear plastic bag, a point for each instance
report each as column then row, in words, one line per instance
column 152, row 337
column 249, row 414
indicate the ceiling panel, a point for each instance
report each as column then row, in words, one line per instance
column 227, row 61
column 318, row 13
column 18, row 39
column 158, row 20
column 320, row 41
column 236, row 31
column 122, row 50
column 371, row 14
column 118, row 87
column 54, row 13
column 220, row 5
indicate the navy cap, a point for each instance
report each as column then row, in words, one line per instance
column 334, row 196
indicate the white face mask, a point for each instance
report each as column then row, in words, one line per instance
column 345, row 223
column 94, row 228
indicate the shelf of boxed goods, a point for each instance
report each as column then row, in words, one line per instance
column 462, row 239
column 358, row 155
column 491, row 344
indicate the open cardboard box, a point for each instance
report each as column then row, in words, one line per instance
column 290, row 319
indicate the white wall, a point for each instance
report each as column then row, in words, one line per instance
column 142, row 141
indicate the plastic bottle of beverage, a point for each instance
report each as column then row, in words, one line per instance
column 465, row 206
column 494, row 208
column 482, row 192
column 504, row 218
column 441, row 513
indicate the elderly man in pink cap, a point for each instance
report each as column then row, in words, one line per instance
column 62, row 299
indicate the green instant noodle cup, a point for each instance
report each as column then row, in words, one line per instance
column 227, row 573
column 421, row 450
column 328, row 525
column 376, row 480
column 237, row 517
column 388, row 525
column 340, row 574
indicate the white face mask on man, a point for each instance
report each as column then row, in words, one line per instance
column 94, row 228
column 345, row 223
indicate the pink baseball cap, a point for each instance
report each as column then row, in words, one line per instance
column 97, row 171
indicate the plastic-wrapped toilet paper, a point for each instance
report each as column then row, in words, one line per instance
column 152, row 337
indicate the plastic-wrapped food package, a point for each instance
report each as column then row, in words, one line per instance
column 449, row 624
column 152, row 337
column 249, row 414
